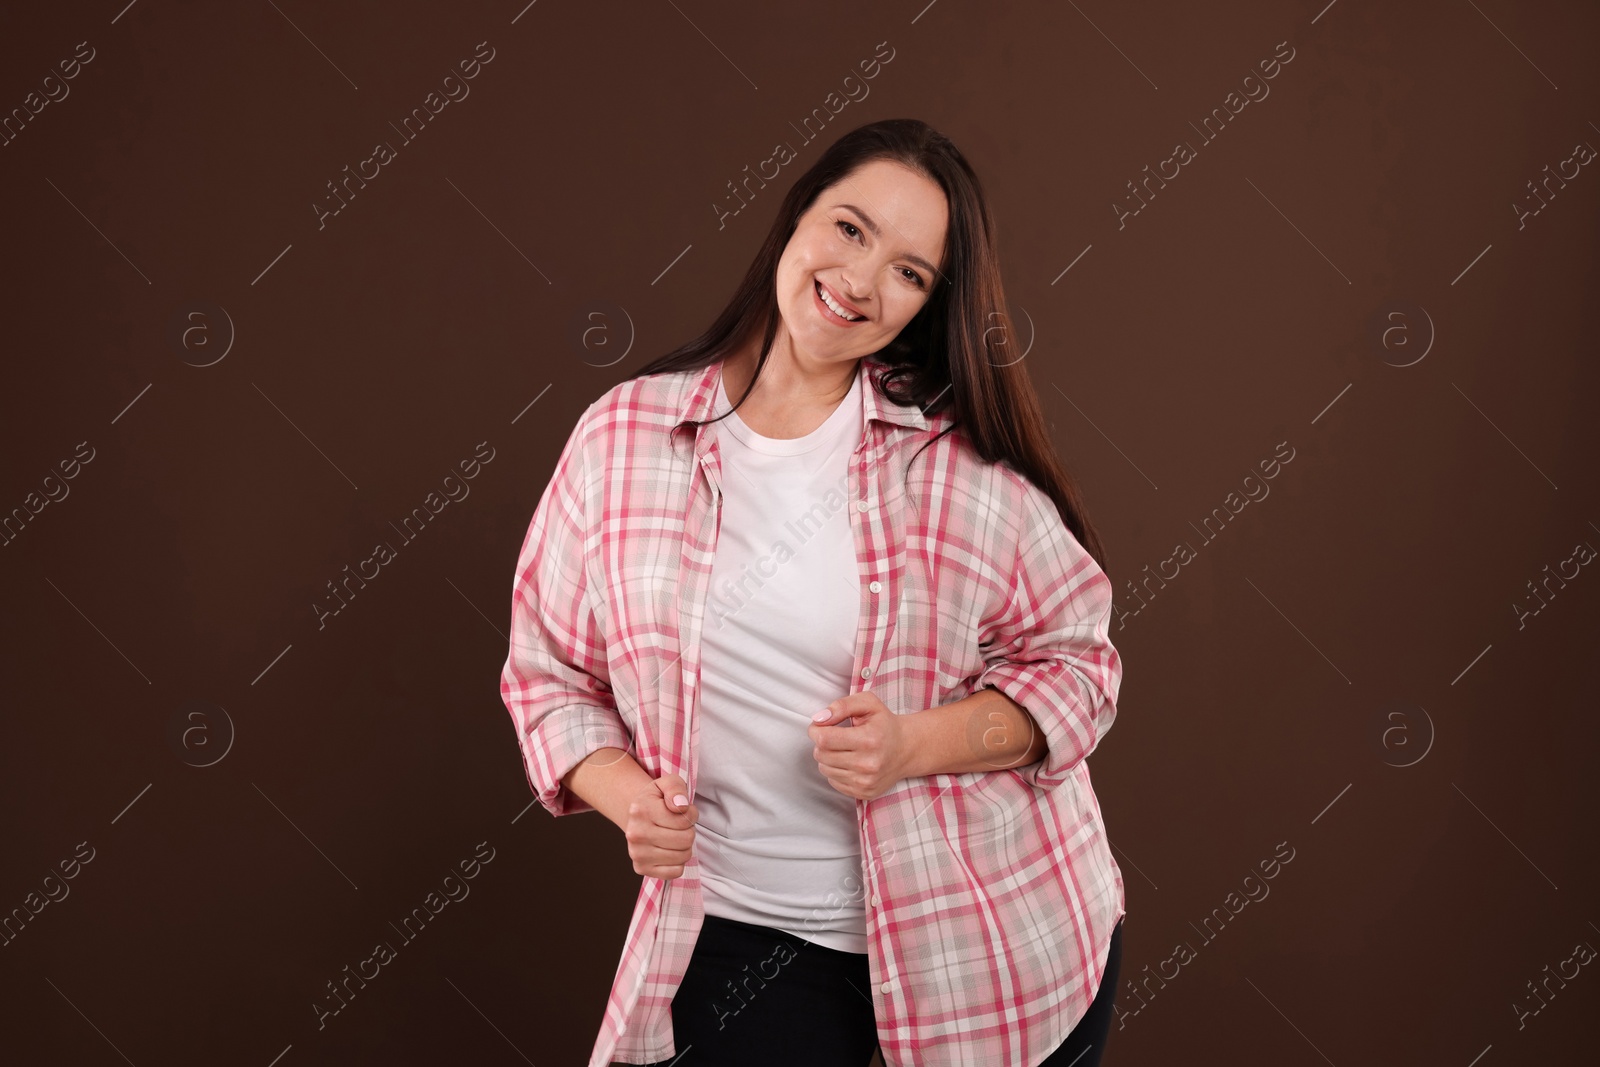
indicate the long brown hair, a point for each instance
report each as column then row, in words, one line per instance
column 954, row 353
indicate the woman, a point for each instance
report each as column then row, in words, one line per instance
column 840, row 501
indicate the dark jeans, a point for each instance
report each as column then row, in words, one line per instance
column 753, row 994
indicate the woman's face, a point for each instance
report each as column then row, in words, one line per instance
column 873, row 242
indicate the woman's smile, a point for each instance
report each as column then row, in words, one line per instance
column 823, row 295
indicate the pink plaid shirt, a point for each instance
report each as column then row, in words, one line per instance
column 990, row 897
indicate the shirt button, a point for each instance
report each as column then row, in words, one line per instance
column 874, row 900
column 875, row 586
column 866, row 672
column 886, row 986
column 862, row 505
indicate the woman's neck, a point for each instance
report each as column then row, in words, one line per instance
column 786, row 402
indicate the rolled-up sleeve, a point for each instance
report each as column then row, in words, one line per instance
column 1050, row 650
column 555, row 682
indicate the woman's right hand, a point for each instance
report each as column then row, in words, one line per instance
column 660, row 830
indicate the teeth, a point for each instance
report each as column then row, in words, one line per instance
column 837, row 310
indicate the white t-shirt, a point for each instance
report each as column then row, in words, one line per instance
column 778, row 845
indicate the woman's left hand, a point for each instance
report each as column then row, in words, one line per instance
column 865, row 760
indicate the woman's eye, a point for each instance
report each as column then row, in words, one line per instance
column 852, row 232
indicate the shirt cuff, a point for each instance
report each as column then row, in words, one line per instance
column 564, row 738
column 1071, row 713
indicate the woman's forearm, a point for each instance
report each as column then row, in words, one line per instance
column 987, row 731
column 608, row 780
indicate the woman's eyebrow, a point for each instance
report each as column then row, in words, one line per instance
column 876, row 232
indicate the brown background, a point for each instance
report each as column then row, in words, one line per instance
column 1358, row 618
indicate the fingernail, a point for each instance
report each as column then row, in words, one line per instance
column 819, row 716
column 681, row 800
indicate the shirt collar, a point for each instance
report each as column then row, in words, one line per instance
column 699, row 403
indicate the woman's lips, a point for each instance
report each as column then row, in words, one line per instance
column 827, row 312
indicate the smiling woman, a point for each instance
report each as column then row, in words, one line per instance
column 855, row 272
column 907, row 649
